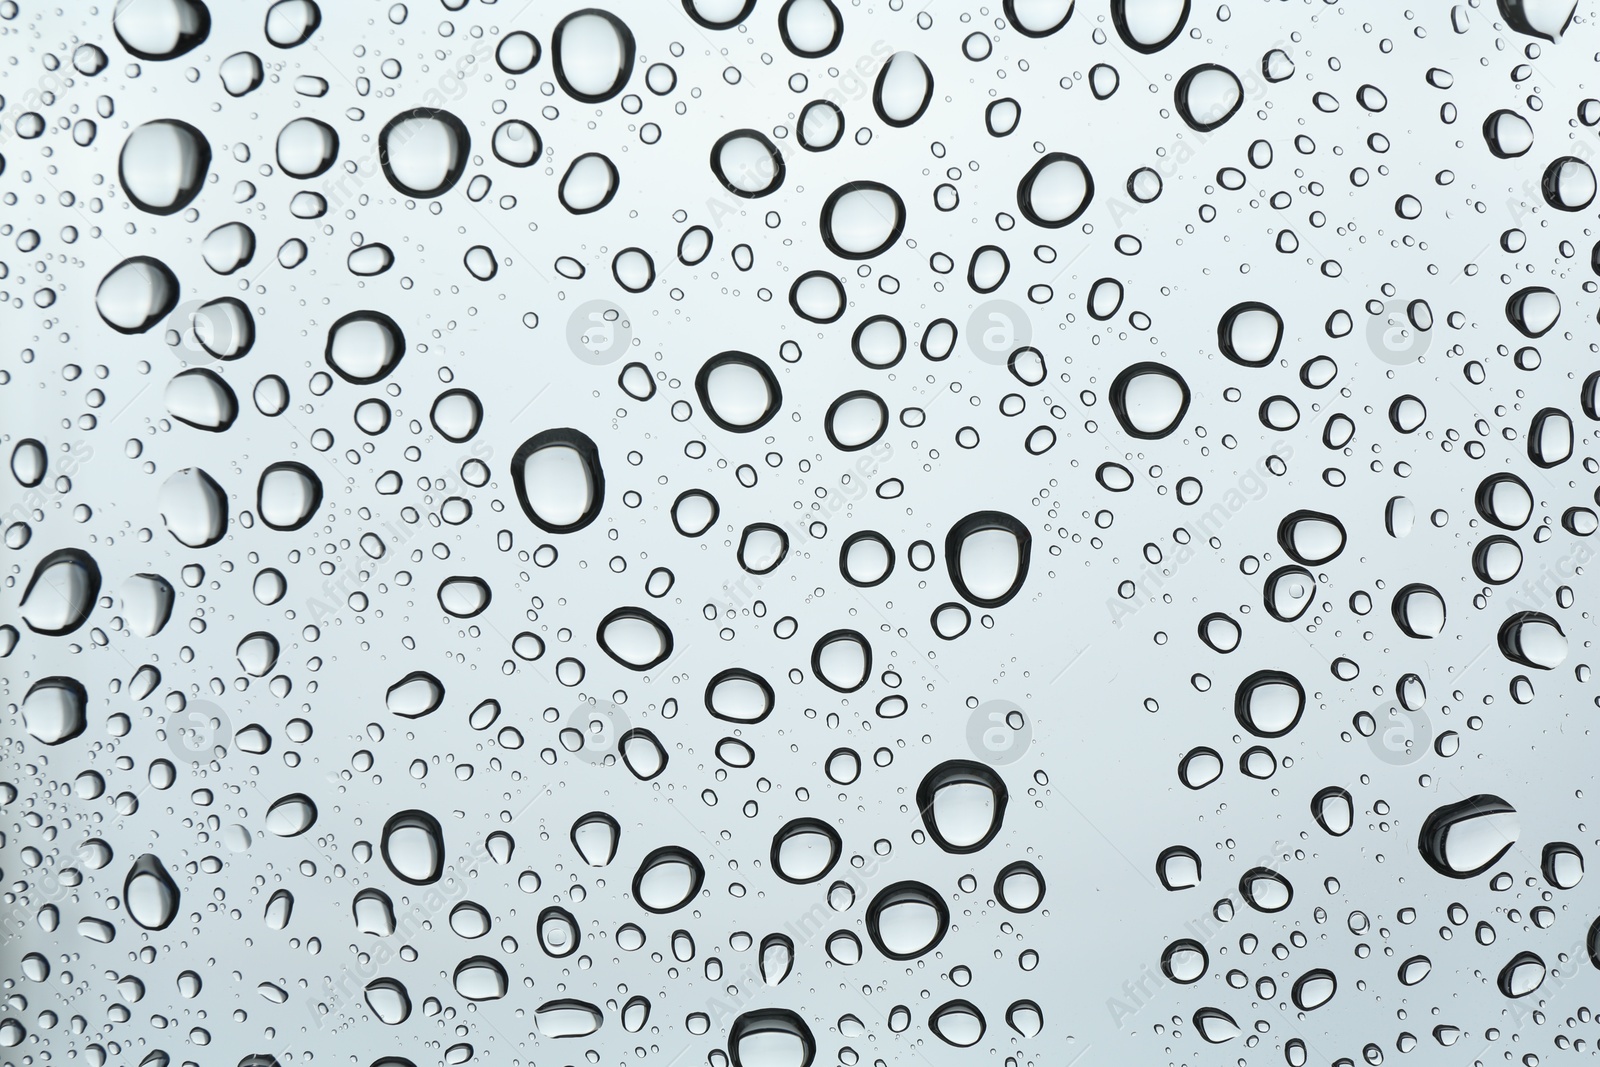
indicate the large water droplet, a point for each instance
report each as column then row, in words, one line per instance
column 903, row 90
column 1464, row 839
column 194, row 508
column 61, row 593
column 635, row 638
column 558, row 480
column 962, row 804
column 1149, row 400
column 136, row 294
column 288, row 495
column 1055, row 191
column 150, row 894
column 804, row 850
column 987, row 555
column 771, row 1037
column 862, row 219
column 424, row 151
column 160, row 29
column 906, row 920
column 55, row 710
column 163, row 165
column 592, row 51
column 413, row 847
column 364, row 346
column 668, row 878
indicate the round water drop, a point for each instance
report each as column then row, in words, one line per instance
column 364, row 347
column 292, row 22
column 1149, row 25
column 567, row 1018
column 389, row 1000
column 61, row 593
column 516, row 143
column 589, row 184
column 1019, row 887
column 1505, row 500
column 1038, row 18
column 804, row 850
column 136, row 294
column 1265, row 890
column 1524, row 974
column 1250, row 333
column 1200, row 767
column 518, row 52
column 1334, row 810
column 635, row 638
column 903, row 90
column 958, row 1023
column 1207, row 96
column 747, row 163
column 1534, row 310
column 557, row 931
column 417, row 694
column 962, row 804
column 906, row 920
column 668, row 878
column 1550, row 438
column 424, row 151
column 592, row 52
column 1464, row 839
column 1185, row 961
column 194, row 508
column 163, row 165
column 1419, row 611
column 817, row 296
column 1568, row 184
column 150, row 894
column 987, row 555
column 307, row 147
column 1311, row 537
column 1149, row 400
column 55, row 710
column 463, row 597
column 694, row 512
column 762, row 546
column 291, row 816
column 288, row 495
column 862, row 219
column 413, row 847
column 810, row 28
column 1055, row 191
column 558, row 480
column 866, row 558
column 842, row 660
column 160, row 29
column 1533, row 639
column 1269, row 703
column 771, row 1037
column 856, row 420
column 1507, row 134
column 738, row 695
column 738, row 391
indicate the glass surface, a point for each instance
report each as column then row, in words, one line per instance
column 760, row 533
